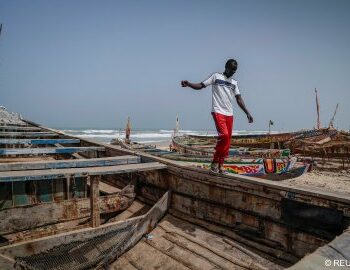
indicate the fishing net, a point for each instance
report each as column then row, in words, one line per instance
column 86, row 254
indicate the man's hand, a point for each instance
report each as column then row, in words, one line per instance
column 195, row 86
column 250, row 118
column 185, row 83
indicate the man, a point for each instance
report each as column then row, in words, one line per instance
column 224, row 87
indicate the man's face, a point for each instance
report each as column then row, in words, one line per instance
column 231, row 69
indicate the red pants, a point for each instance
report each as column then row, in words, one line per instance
column 223, row 125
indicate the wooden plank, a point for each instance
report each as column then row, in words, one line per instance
column 39, row 141
column 27, row 134
column 335, row 255
column 108, row 189
column 19, row 128
column 142, row 225
column 50, row 150
column 33, row 216
column 94, row 203
column 11, row 176
column 144, row 256
column 46, row 230
column 71, row 163
column 7, row 263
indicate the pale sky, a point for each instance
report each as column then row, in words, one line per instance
column 93, row 63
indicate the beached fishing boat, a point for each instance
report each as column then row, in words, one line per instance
column 205, row 145
column 264, row 141
column 267, row 168
column 326, row 148
column 179, row 217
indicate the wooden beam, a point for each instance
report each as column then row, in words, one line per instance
column 33, row 216
column 94, row 200
column 334, row 255
column 70, row 163
column 27, row 134
column 49, row 150
column 38, row 141
column 106, row 188
column 19, row 128
column 13, row 176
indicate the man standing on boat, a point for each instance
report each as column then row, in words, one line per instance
column 224, row 87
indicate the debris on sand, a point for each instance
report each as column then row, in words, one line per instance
column 10, row 117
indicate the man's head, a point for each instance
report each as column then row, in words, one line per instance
column 230, row 67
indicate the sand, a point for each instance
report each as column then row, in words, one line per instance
column 164, row 145
column 325, row 181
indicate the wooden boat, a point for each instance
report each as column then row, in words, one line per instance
column 330, row 143
column 205, row 222
column 325, row 148
column 276, row 169
column 205, row 145
column 265, row 140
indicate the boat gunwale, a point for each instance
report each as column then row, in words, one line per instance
column 222, row 180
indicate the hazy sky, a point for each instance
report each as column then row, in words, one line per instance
column 93, row 63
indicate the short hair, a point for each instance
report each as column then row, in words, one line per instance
column 231, row 62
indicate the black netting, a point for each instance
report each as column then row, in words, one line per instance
column 85, row 254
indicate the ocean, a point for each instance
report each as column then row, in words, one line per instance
column 142, row 135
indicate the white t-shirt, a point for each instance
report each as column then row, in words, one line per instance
column 223, row 91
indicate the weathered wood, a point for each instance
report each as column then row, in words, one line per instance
column 71, row 163
column 50, row 150
column 46, row 230
column 144, row 256
column 7, row 263
column 106, row 188
column 173, row 236
column 27, row 134
column 142, row 224
column 19, row 128
column 94, row 200
column 273, row 234
column 335, row 255
column 32, row 216
column 176, row 244
column 38, row 141
column 12, row 176
column 273, row 252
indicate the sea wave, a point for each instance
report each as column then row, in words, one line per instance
column 90, row 131
column 110, row 136
column 146, row 136
column 150, row 135
column 180, row 131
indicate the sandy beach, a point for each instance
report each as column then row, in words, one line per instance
column 323, row 180
column 164, row 145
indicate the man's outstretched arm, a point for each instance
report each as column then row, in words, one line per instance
column 241, row 104
column 195, row 86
